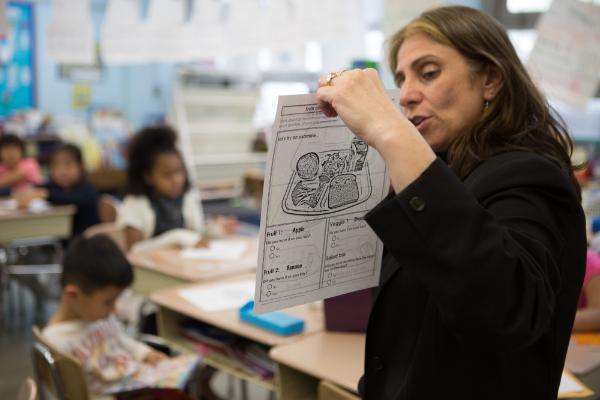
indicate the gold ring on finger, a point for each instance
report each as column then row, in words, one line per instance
column 332, row 75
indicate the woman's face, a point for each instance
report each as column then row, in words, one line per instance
column 439, row 92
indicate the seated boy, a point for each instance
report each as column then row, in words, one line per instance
column 95, row 272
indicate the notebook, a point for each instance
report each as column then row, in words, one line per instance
column 169, row 373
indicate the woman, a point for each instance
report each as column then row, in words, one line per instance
column 485, row 235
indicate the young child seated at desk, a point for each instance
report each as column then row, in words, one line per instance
column 67, row 185
column 588, row 307
column 95, row 272
column 16, row 171
column 161, row 207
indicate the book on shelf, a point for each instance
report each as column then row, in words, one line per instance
column 244, row 354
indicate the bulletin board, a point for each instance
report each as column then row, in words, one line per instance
column 17, row 68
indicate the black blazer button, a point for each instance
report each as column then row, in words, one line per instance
column 417, row 204
column 377, row 363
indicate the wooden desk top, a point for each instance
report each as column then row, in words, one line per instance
column 7, row 214
column 169, row 262
column 582, row 359
column 335, row 357
column 228, row 320
column 22, row 224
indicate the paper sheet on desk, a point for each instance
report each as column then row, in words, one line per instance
column 225, row 250
column 320, row 182
column 571, row 387
column 224, row 296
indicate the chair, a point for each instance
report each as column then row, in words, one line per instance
column 330, row 391
column 60, row 373
column 16, row 261
column 63, row 376
column 28, row 390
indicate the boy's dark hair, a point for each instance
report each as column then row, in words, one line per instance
column 12, row 140
column 95, row 263
column 144, row 149
column 73, row 151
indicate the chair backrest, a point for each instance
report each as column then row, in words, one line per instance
column 111, row 230
column 28, row 390
column 330, row 391
column 61, row 373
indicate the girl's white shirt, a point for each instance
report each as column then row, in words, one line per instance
column 136, row 212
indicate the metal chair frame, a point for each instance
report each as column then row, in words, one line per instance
column 40, row 350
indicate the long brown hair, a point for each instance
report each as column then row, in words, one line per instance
column 519, row 118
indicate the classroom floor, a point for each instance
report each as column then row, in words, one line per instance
column 16, row 321
column 15, row 342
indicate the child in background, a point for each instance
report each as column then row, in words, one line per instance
column 16, row 171
column 161, row 208
column 588, row 307
column 95, row 272
column 67, row 185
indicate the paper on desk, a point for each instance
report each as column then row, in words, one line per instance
column 224, row 296
column 572, row 387
column 319, row 183
column 225, row 250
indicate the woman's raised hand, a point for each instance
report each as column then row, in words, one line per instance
column 361, row 101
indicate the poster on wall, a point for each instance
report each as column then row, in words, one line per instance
column 565, row 59
column 398, row 13
column 70, row 33
column 17, row 73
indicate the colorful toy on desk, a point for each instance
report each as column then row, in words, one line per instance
column 277, row 322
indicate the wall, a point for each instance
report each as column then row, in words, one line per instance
column 138, row 91
column 141, row 91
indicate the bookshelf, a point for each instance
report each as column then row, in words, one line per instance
column 215, row 124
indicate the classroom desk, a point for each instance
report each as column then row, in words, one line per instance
column 584, row 362
column 23, row 224
column 339, row 357
column 165, row 268
column 173, row 308
column 330, row 356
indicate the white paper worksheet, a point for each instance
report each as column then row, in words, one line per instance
column 320, row 182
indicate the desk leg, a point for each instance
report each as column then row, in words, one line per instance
column 230, row 386
column 244, row 389
column 295, row 385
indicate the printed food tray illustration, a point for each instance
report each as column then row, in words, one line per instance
column 328, row 181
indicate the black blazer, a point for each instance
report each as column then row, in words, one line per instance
column 479, row 285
